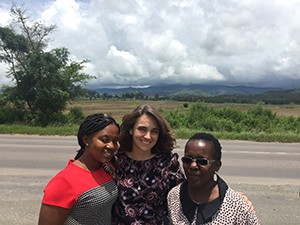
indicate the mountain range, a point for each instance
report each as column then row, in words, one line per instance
column 193, row 89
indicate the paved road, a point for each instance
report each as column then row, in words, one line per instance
column 268, row 173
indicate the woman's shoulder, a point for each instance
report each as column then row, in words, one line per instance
column 120, row 157
column 230, row 193
column 69, row 173
column 169, row 156
column 235, row 204
column 174, row 192
column 68, row 170
column 234, row 199
column 173, row 158
column 169, row 159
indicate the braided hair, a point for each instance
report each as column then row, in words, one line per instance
column 90, row 125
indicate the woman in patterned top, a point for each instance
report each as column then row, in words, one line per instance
column 146, row 170
column 202, row 199
column 84, row 192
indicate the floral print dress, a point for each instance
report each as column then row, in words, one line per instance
column 143, row 187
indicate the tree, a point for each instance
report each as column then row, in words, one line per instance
column 105, row 96
column 139, row 95
column 44, row 81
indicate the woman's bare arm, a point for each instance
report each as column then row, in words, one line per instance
column 53, row 215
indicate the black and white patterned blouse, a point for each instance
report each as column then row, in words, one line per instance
column 231, row 209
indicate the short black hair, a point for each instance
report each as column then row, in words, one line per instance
column 209, row 137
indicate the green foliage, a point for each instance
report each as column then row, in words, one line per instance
column 49, row 130
column 288, row 124
column 3, row 97
column 46, row 118
column 201, row 116
column 9, row 115
column 256, row 124
column 234, row 115
column 255, row 120
column 76, row 115
column 44, row 81
column 176, row 119
column 185, row 105
column 10, row 41
column 183, row 132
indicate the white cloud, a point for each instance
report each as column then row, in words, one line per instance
column 4, row 15
column 140, row 42
column 165, row 47
column 124, row 64
column 67, row 11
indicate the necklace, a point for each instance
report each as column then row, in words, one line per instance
column 103, row 187
column 91, row 172
column 137, row 180
column 139, row 186
column 135, row 167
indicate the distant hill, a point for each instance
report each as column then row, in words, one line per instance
column 194, row 89
column 279, row 97
column 269, row 97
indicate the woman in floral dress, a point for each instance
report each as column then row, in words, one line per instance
column 146, row 170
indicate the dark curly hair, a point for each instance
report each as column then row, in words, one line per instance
column 165, row 142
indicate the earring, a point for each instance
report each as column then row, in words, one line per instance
column 216, row 176
column 87, row 144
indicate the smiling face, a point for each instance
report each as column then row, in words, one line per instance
column 200, row 176
column 145, row 133
column 100, row 146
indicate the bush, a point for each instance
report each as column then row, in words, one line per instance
column 225, row 125
column 76, row 115
column 198, row 113
column 9, row 115
column 44, row 119
column 255, row 120
column 176, row 119
column 235, row 115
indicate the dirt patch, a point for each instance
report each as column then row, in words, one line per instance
column 117, row 109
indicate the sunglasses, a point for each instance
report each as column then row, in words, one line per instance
column 199, row 161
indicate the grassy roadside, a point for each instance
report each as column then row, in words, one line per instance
column 288, row 137
column 118, row 109
column 183, row 133
column 49, row 130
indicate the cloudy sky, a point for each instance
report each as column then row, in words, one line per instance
column 143, row 42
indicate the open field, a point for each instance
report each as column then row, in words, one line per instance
column 118, row 109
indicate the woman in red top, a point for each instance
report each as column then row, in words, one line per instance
column 84, row 192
